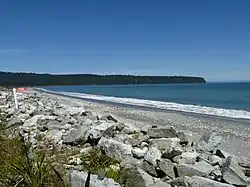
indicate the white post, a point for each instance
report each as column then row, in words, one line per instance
column 15, row 99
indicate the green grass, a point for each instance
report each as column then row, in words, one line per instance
column 22, row 166
column 95, row 162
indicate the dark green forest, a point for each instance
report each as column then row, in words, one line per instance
column 32, row 79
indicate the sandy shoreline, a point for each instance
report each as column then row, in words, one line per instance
column 236, row 132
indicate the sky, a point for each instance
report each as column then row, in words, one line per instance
column 141, row 37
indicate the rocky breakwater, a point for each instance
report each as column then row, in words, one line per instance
column 146, row 157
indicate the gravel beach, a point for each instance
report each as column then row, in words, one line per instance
column 144, row 147
column 235, row 132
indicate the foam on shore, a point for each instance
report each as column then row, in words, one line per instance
column 240, row 114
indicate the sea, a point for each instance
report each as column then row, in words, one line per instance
column 218, row 99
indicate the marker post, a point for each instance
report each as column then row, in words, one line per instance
column 15, row 99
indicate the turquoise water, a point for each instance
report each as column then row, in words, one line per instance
column 199, row 98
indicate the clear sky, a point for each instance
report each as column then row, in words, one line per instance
column 209, row 38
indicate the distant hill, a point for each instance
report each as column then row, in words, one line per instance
column 33, row 79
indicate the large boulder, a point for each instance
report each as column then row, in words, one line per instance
column 130, row 129
column 167, row 167
column 136, row 177
column 153, row 154
column 149, row 168
column 115, row 149
column 183, row 138
column 73, row 111
column 77, row 135
column 107, row 117
column 198, row 169
column 209, row 142
column 215, row 160
column 96, row 131
column 222, row 154
column 232, row 173
column 55, row 135
column 139, row 153
column 169, row 147
column 78, row 179
column 197, row 181
column 162, row 132
column 187, row 157
column 33, row 120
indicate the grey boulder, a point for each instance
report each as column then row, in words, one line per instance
column 198, row 169
column 197, row 181
column 136, row 177
column 232, row 173
column 78, row 179
column 209, row 142
column 139, row 153
column 77, row 135
column 167, row 167
column 153, row 154
column 170, row 147
column 115, row 149
column 162, row 132
column 73, row 111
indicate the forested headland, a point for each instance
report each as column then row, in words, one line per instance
column 34, row 79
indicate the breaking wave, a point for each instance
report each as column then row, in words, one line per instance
column 161, row 105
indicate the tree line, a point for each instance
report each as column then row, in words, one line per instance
column 33, row 79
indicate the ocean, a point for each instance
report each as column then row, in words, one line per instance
column 220, row 99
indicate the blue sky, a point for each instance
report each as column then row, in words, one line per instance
column 142, row 37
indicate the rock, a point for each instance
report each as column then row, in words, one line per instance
column 87, row 113
column 86, row 150
column 121, row 137
column 135, row 140
column 169, row 146
column 217, row 174
column 197, row 181
column 15, row 122
column 108, row 117
column 164, row 144
column 78, row 179
column 73, row 111
column 215, row 160
column 183, row 138
column 139, row 153
column 120, row 126
column 246, row 171
column 188, row 157
column 33, row 121
column 97, row 131
column 162, row 132
column 130, row 129
column 153, row 154
column 55, row 135
column 232, row 173
column 244, row 162
column 136, row 177
column 222, row 154
column 143, row 144
column 149, row 168
column 109, row 132
column 198, row 169
column 115, row 149
column 160, row 184
column 76, row 136
column 167, row 167
column 179, row 181
column 209, row 142
column 131, row 162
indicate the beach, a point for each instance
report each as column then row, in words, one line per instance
column 235, row 132
column 160, row 147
